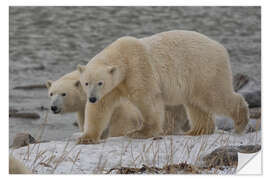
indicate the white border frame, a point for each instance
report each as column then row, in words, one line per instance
column 5, row 64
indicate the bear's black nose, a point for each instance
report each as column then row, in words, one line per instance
column 53, row 108
column 92, row 99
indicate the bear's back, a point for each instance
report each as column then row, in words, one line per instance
column 74, row 75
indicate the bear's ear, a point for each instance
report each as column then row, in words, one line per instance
column 112, row 69
column 77, row 84
column 80, row 68
column 49, row 83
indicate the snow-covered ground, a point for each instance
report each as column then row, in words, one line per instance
column 65, row 157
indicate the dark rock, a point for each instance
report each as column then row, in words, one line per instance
column 239, row 80
column 251, row 85
column 30, row 87
column 228, row 155
column 223, row 156
column 249, row 148
column 24, row 115
column 23, row 139
column 253, row 98
column 249, row 88
column 75, row 124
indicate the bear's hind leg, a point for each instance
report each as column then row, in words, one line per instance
column 239, row 112
column 201, row 122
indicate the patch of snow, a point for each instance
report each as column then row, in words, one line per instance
column 65, row 157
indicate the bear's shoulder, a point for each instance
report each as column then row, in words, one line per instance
column 126, row 42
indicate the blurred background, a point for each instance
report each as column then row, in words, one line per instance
column 48, row 42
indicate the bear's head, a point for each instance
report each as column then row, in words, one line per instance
column 97, row 81
column 66, row 96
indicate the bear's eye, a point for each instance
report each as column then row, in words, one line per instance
column 51, row 94
column 100, row 83
column 63, row 94
column 86, row 84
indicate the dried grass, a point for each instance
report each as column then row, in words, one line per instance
column 149, row 157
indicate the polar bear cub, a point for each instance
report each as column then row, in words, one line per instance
column 169, row 68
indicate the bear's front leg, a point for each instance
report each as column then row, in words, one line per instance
column 152, row 109
column 96, row 120
column 80, row 120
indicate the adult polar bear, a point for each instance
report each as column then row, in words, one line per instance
column 169, row 68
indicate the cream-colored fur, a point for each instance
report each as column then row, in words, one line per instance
column 17, row 167
column 170, row 68
column 126, row 117
column 74, row 99
column 176, row 121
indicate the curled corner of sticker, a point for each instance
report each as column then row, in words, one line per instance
column 249, row 163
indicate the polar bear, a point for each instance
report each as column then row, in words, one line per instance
column 169, row 68
column 67, row 96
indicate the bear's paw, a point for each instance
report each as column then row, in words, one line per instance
column 86, row 139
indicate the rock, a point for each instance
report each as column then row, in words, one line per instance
column 24, row 115
column 75, row 124
column 223, row 156
column 249, row 148
column 23, row 139
column 248, row 87
column 253, row 98
column 30, row 87
column 227, row 155
column 243, row 82
column 239, row 80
